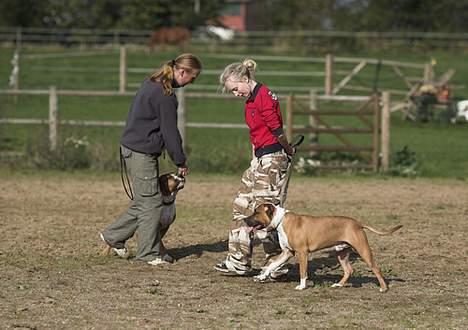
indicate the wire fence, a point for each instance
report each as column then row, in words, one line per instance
column 252, row 39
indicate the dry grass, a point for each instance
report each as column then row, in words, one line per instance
column 52, row 275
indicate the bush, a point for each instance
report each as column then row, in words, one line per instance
column 404, row 163
column 71, row 153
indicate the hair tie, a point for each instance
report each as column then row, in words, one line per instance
column 173, row 63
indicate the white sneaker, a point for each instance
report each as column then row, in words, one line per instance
column 122, row 253
column 158, row 261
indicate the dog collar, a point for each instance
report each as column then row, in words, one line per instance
column 278, row 217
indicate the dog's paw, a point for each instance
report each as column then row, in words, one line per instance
column 301, row 287
column 260, row 278
column 337, row 285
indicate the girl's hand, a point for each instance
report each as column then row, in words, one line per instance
column 182, row 171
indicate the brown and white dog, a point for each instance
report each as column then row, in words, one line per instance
column 301, row 234
column 169, row 184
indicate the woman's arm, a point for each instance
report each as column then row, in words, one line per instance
column 283, row 140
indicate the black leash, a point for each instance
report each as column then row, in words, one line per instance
column 123, row 169
column 298, row 140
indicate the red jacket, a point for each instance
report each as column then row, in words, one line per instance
column 263, row 116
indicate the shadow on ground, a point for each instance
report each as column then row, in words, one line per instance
column 198, row 249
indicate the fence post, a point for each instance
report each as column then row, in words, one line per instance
column 289, row 117
column 53, row 120
column 14, row 76
column 123, row 70
column 313, row 137
column 428, row 72
column 375, row 134
column 385, row 128
column 116, row 39
column 181, row 122
column 329, row 74
column 19, row 38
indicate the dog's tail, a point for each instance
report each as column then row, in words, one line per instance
column 388, row 232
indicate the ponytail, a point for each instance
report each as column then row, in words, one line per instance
column 237, row 71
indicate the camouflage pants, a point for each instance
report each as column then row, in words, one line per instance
column 264, row 181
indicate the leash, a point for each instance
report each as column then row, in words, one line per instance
column 298, row 140
column 123, row 170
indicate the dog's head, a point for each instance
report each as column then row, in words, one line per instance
column 171, row 183
column 262, row 216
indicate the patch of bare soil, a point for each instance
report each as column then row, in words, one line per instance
column 52, row 275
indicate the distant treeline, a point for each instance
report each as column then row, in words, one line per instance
column 265, row 15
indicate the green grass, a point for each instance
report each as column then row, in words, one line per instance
column 440, row 148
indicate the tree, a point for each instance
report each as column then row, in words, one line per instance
column 147, row 14
column 23, row 13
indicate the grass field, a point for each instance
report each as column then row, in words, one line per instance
column 439, row 147
column 52, row 275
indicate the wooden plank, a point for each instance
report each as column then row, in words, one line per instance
column 24, row 121
column 346, row 79
column 345, row 98
column 332, row 148
column 332, row 112
column 333, row 130
column 402, row 76
column 122, row 70
column 289, row 117
column 344, row 166
column 329, row 74
column 53, row 118
column 375, row 136
column 385, row 129
column 181, row 118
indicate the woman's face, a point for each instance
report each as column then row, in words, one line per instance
column 184, row 77
column 240, row 88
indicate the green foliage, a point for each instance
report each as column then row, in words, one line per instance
column 70, row 154
column 74, row 152
column 106, row 14
column 404, row 163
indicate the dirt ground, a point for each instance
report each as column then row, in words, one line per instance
column 52, row 275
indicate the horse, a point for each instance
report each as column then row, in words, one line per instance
column 164, row 36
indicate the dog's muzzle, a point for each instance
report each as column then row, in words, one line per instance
column 253, row 223
column 180, row 181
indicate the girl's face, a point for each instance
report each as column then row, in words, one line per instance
column 184, row 77
column 240, row 88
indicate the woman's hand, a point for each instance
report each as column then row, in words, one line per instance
column 182, row 170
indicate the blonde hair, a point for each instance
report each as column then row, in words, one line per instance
column 237, row 71
column 165, row 74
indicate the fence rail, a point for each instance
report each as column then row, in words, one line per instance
column 120, row 36
column 53, row 120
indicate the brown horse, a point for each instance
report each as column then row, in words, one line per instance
column 178, row 36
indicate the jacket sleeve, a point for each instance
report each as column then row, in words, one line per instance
column 170, row 132
column 269, row 110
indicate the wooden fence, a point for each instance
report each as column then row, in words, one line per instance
column 313, row 112
column 373, row 112
column 260, row 39
column 338, row 76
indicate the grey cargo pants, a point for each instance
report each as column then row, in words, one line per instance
column 144, row 212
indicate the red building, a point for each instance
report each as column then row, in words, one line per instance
column 234, row 14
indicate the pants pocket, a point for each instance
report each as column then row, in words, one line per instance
column 146, row 186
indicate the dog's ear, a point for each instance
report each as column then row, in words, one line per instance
column 164, row 185
column 269, row 210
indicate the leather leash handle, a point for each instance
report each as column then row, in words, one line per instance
column 299, row 139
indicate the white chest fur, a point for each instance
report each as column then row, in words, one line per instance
column 277, row 223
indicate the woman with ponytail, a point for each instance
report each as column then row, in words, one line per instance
column 265, row 180
column 150, row 129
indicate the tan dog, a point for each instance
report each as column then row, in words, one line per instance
column 301, row 234
column 169, row 184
